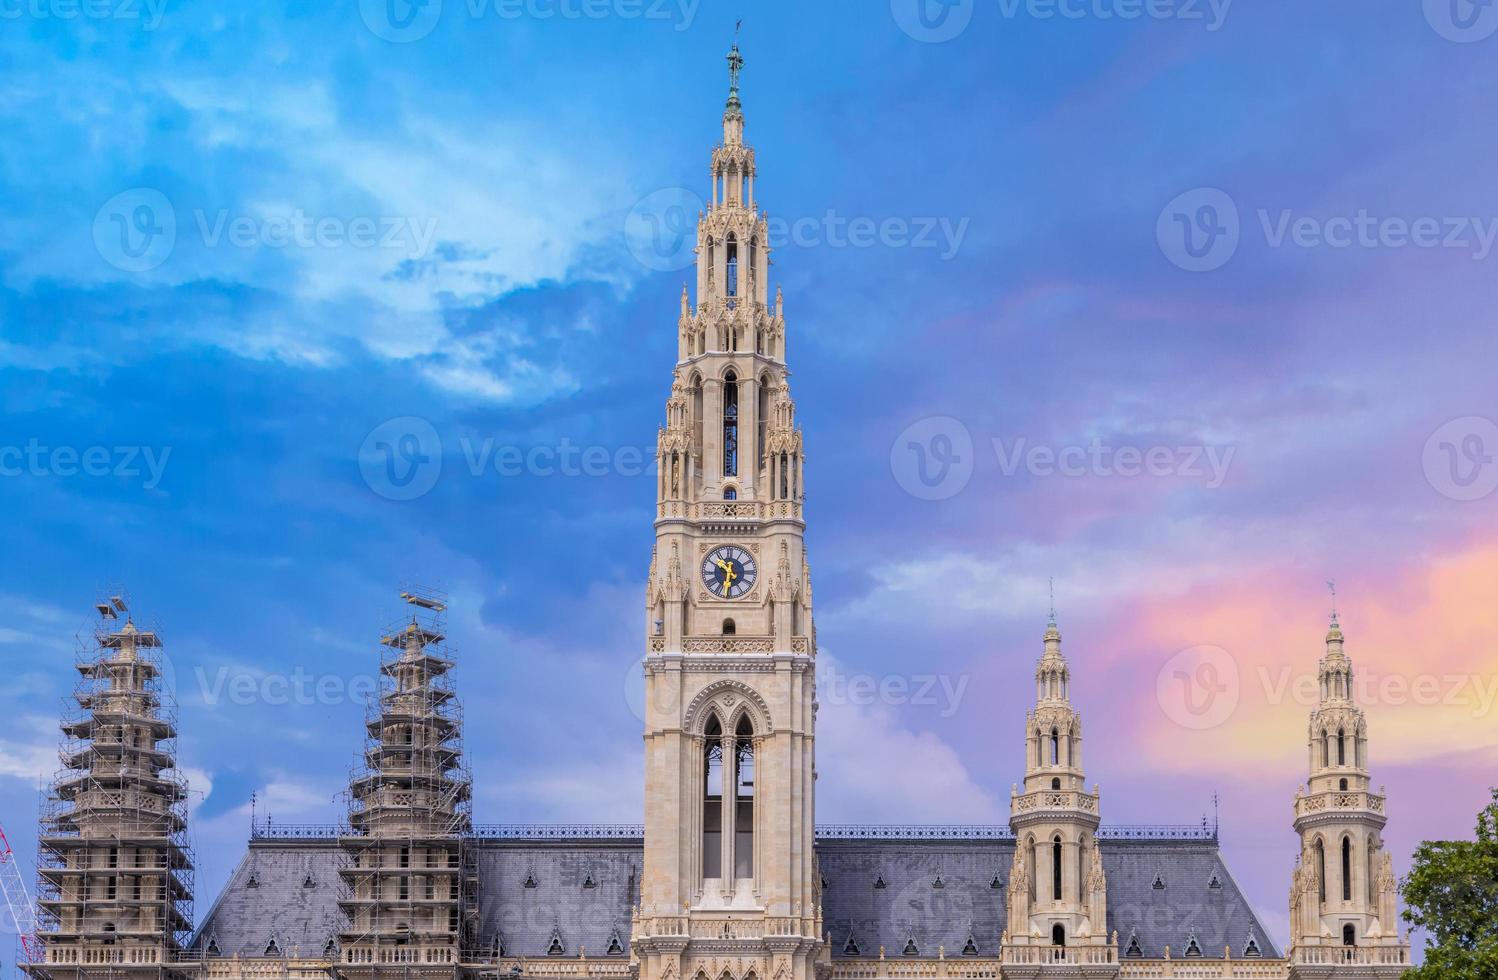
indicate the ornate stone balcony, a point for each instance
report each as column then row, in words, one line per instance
column 1054, row 800
column 1392, row 955
column 123, row 955
column 728, row 929
column 730, row 511
column 1059, row 955
column 1317, row 803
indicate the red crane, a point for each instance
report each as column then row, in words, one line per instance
column 18, row 900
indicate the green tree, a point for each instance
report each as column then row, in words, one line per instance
column 1452, row 893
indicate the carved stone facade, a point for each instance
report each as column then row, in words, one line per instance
column 1344, row 901
column 730, row 880
column 729, row 877
column 1058, row 892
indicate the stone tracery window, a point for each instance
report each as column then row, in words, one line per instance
column 733, row 265
column 743, row 827
column 1347, row 869
column 731, row 425
column 1056, row 869
column 712, row 800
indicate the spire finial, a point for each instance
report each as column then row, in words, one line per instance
column 1053, row 601
column 1331, row 585
column 735, row 68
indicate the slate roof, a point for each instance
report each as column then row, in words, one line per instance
column 268, row 897
column 528, row 889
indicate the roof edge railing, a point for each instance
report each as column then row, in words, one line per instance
column 1203, row 831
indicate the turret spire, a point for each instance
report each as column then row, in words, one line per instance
column 733, row 113
column 1340, row 896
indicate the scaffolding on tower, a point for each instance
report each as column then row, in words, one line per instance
column 114, row 867
column 409, row 881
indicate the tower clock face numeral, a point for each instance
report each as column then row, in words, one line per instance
column 729, row 571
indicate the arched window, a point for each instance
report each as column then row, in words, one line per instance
column 743, row 827
column 1349, row 935
column 1039, row 749
column 1058, row 935
column 1055, row 784
column 762, row 416
column 1342, row 785
column 1033, row 850
column 1347, row 869
column 730, row 493
column 712, row 800
column 1056, row 868
column 731, row 425
column 729, row 627
column 733, row 266
column 1082, row 866
column 1321, row 867
column 785, row 476
column 1341, row 747
column 1055, row 747
column 697, row 410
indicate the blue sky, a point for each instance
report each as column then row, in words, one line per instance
column 347, row 222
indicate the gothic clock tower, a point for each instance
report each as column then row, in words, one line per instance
column 730, row 883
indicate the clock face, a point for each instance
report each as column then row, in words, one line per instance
column 729, row 571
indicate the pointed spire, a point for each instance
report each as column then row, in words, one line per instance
column 1052, row 659
column 733, row 112
column 1334, row 630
